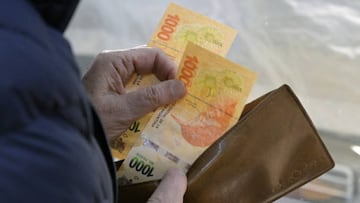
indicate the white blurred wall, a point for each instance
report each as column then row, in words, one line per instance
column 314, row 46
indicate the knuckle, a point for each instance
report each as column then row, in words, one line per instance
column 153, row 95
column 156, row 50
column 102, row 54
column 158, row 53
column 100, row 58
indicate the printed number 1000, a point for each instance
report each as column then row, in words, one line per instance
column 170, row 23
column 140, row 166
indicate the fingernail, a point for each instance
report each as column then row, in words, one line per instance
column 178, row 89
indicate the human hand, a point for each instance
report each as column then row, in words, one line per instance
column 171, row 188
column 106, row 79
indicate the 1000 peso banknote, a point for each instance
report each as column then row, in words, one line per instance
column 178, row 133
column 178, row 26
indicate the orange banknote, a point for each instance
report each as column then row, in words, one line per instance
column 180, row 25
column 177, row 134
column 177, row 26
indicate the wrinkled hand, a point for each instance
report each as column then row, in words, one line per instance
column 171, row 188
column 105, row 82
column 106, row 79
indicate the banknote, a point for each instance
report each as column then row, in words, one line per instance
column 178, row 133
column 177, row 26
column 180, row 25
column 121, row 144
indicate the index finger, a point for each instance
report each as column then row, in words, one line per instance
column 145, row 60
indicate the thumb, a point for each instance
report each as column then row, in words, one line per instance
column 171, row 188
column 149, row 98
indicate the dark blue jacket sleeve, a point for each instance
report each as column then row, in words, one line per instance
column 48, row 148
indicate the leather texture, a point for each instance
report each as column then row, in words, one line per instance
column 272, row 150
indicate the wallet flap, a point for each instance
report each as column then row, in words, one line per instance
column 272, row 150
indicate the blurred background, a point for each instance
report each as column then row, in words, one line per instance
column 314, row 46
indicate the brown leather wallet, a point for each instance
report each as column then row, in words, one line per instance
column 272, row 150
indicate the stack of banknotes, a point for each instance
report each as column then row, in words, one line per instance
column 217, row 89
